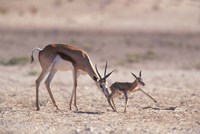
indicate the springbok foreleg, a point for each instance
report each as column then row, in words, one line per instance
column 111, row 97
column 148, row 95
column 113, row 107
column 113, row 104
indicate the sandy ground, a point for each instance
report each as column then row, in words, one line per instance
column 170, row 77
column 167, row 53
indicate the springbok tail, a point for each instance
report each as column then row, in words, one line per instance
column 38, row 49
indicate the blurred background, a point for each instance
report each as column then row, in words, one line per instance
column 163, row 31
column 109, row 15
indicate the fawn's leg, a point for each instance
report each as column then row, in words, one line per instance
column 126, row 101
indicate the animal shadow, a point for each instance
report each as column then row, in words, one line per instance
column 161, row 108
column 88, row 112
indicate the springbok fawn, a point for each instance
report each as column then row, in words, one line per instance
column 60, row 57
column 119, row 88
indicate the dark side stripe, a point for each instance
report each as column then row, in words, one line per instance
column 66, row 57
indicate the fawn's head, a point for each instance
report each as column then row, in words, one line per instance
column 102, row 83
column 139, row 79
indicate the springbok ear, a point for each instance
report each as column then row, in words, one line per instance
column 134, row 75
column 140, row 74
column 108, row 75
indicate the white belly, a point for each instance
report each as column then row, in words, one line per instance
column 63, row 65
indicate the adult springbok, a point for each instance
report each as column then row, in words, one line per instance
column 119, row 88
column 60, row 57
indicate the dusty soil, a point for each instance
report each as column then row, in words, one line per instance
column 170, row 76
column 168, row 58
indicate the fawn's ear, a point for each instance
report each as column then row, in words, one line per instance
column 140, row 74
column 134, row 75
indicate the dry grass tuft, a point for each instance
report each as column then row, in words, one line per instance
column 197, row 65
column 135, row 58
column 32, row 73
column 15, row 61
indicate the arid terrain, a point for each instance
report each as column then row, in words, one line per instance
column 161, row 38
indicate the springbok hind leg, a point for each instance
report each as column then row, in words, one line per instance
column 38, row 81
column 48, row 82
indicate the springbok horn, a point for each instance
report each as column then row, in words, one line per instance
column 108, row 75
column 97, row 72
column 105, row 69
